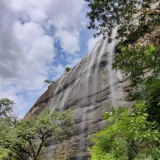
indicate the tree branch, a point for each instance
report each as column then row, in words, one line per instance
column 149, row 11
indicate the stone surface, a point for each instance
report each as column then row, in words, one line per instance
column 86, row 89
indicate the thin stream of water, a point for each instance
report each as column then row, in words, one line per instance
column 91, row 67
column 111, row 52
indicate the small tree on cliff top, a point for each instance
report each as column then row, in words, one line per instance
column 67, row 69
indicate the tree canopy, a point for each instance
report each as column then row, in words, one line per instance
column 29, row 137
column 7, row 122
column 107, row 14
column 130, row 136
column 67, row 69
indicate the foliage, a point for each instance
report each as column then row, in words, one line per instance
column 29, row 137
column 130, row 136
column 6, row 111
column 137, row 60
column 142, row 65
column 7, row 122
column 48, row 81
column 67, row 69
column 5, row 107
column 110, row 13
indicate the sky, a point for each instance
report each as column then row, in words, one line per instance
column 38, row 40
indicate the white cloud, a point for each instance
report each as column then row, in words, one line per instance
column 25, row 55
column 30, row 10
column 67, row 13
column 27, row 44
column 21, row 105
column 69, row 41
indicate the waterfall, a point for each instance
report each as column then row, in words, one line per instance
column 89, row 66
column 89, row 89
column 112, row 78
column 102, row 49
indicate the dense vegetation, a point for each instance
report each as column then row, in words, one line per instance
column 20, row 139
column 107, row 14
column 142, row 64
column 132, row 134
column 129, row 136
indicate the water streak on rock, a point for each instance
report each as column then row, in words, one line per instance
column 89, row 89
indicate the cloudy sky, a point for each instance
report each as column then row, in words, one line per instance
column 38, row 39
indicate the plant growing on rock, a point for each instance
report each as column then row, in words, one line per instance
column 48, row 81
column 67, row 69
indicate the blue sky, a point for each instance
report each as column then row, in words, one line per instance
column 38, row 39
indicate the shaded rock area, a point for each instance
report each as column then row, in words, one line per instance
column 86, row 89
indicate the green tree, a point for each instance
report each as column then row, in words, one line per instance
column 142, row 65
column 30, row 136
column 20, row 139
column 7, row 122
column 67, row 69
column 48, row 81
column 6, row 111
column 110, row 13
column 129, row 136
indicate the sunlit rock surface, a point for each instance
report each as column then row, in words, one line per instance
column 89, row 89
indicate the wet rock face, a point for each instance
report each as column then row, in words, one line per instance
column 86, row 89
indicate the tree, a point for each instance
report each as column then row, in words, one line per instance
column 49, row 82
column 7, row 122
column 29, row 137
column 129, row 136
column 142, row 65
column 67, row 69
column 6, row 110
column 20, row 139
column 107, row 14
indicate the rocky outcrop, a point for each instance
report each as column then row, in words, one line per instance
column 89, row 89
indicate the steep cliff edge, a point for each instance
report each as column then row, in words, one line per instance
column 89, row 89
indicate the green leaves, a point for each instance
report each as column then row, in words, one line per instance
column 28, row 137
column 142, row 65
column 129, row 136
column 137, row 60
column 150, row 50
column 67, row 69
column 110, row 13
column 5, row 107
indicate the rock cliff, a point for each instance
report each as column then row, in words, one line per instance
column 89, row 89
